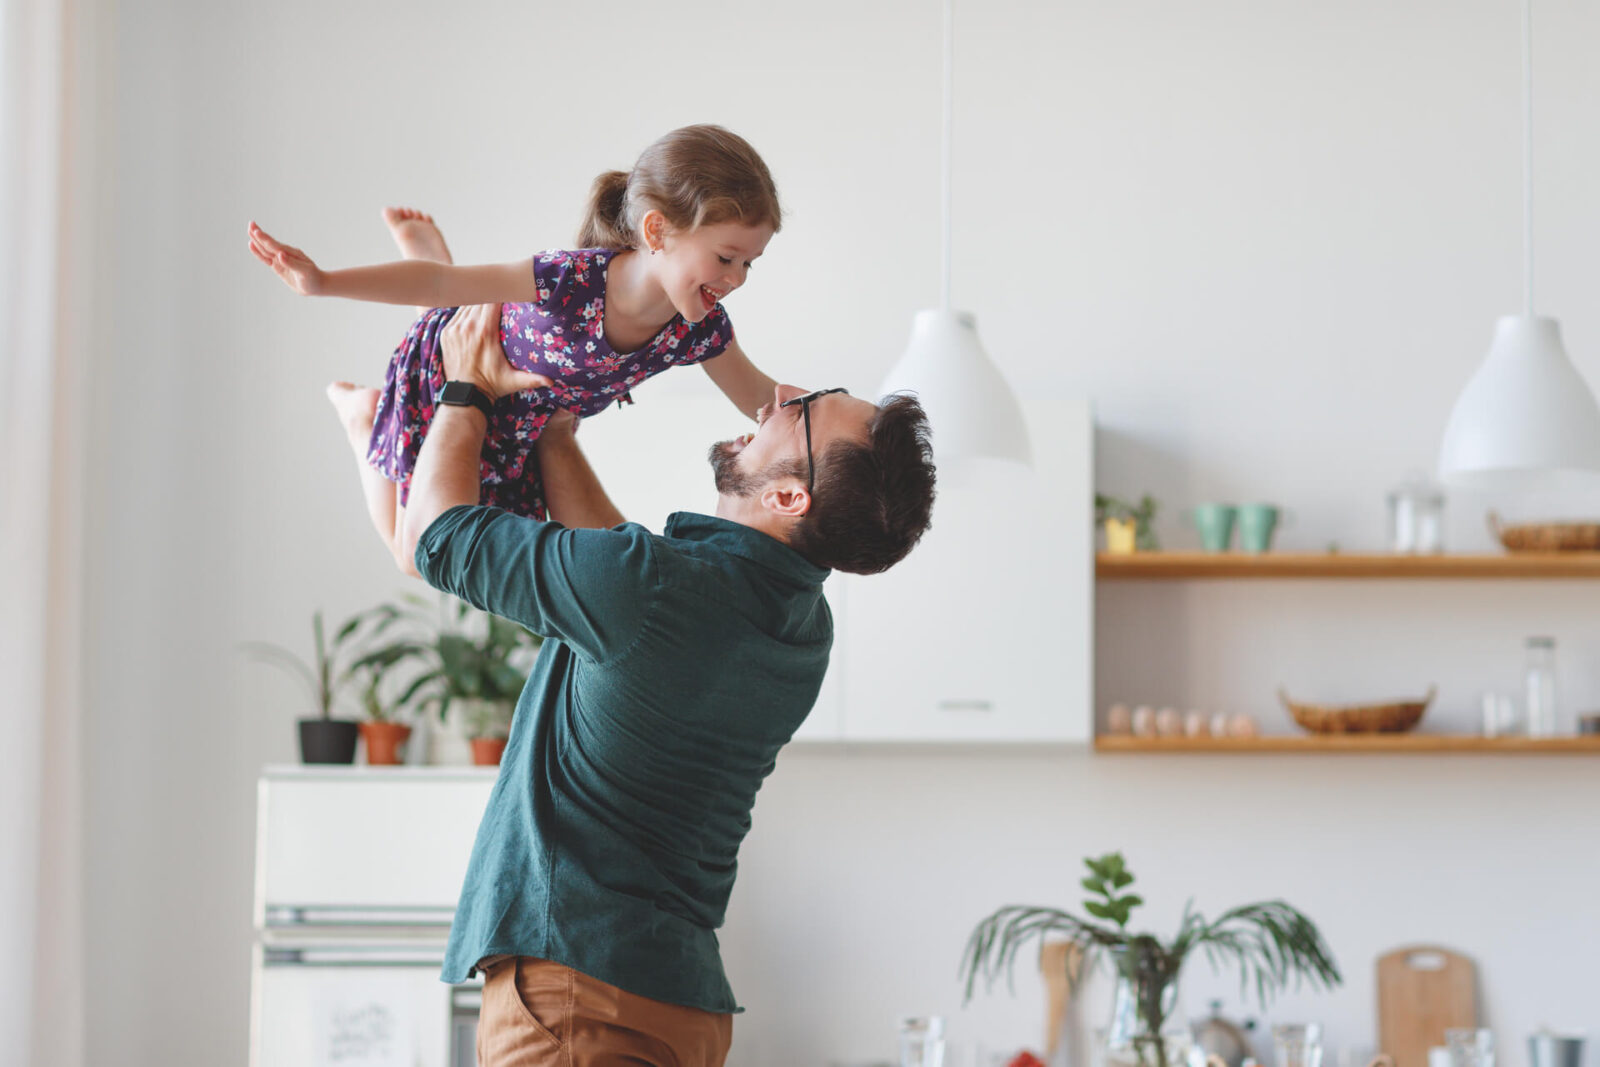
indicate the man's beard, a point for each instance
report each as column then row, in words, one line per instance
column 733, row 481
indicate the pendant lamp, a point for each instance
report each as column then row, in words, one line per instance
column 1527, row 413
column 970, row 407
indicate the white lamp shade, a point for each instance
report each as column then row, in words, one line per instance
column 971, row 409
column 1525, row 414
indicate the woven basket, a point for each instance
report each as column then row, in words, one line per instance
column 1547, row 536
column 1394, row 718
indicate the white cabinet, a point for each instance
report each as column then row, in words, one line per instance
column 984, row 632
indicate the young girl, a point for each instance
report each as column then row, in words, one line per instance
column 661, row 247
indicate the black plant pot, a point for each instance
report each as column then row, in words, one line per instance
column 328, row 740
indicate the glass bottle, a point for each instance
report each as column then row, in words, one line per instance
column 1541, row 683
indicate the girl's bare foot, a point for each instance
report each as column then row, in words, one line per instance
column 416, row 234
column 357, row 406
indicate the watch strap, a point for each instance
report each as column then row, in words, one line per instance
column 464, row 394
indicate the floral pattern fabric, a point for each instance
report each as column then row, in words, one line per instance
column 560, row 336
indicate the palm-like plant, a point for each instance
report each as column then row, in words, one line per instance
column 336, row 663
column 1272, row 944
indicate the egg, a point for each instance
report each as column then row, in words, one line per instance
column 1144, row 721
column 1219, row 724
column 1242, row 725
column 1195, row 724
column 1119, row 720
column 1169, row 722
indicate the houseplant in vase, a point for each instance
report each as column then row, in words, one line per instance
column 475, row 665
column 1271, row 943
column 1127, row 526
column 488, row 724
column 382, row 729
column 334, row 664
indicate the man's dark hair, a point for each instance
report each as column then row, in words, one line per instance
column 873, row 501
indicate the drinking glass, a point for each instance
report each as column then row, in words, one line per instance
column 1469, row 1047
column 1298, row 1045
column 922, row 1041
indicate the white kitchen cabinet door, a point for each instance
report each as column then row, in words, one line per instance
column 331, row 838
column 984, row 632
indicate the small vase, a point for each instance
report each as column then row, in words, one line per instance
column 383, row 742
column 1147, row 1029
column 1122, row 536
column 486, row 751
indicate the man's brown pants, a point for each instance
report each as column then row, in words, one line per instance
column 542, row 1014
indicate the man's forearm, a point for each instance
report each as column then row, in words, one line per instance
column 447, row 470
column 572, row 493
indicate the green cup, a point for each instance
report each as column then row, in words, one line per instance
column 1215, row 523
column 1256, row 524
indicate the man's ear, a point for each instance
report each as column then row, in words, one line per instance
column 786, row 498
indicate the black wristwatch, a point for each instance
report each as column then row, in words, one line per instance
column 462, row 394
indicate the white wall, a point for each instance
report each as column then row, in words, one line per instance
column 1270, row 240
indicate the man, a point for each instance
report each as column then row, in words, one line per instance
column 677, row 666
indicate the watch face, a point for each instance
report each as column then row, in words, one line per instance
column 456, row 393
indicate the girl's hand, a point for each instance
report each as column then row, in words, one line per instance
column 289, row 263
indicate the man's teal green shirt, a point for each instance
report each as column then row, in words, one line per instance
column 675, row 668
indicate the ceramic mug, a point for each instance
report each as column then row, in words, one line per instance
column 1256, row 524
column 1215, row 523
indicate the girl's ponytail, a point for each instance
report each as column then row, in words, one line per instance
column 605, row 223
column 695, row 176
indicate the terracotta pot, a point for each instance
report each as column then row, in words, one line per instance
column 486, row 751
column 383, row 741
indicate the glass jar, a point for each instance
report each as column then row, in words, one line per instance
column 1541, row 687
column 1416, row 518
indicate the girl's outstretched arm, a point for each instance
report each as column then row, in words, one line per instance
column 739, row 379
column 413, row 281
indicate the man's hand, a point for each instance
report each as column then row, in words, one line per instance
column 471, row 350
column 287, row 262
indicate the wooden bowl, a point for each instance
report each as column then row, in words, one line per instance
column 1547, row 536
column 1392, row 718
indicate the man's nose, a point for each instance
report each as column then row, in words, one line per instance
column 786, row 392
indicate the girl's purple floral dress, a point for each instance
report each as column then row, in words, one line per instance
column 560, row 337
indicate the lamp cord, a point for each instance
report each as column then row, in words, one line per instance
column 944, row 152
column 1527, row 158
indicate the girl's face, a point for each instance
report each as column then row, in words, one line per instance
column 698, row 268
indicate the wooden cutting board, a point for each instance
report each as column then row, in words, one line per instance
column 1422, row 991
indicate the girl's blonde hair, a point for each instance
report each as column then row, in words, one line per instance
column 695, row 176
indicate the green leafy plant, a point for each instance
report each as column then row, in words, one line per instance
column 1271, row 943
column 1141, row 515
column 335, row 664
column 467, row 654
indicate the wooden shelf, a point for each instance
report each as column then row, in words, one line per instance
column 1173, row 566
column 1368, row 743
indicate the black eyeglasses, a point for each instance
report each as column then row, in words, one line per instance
column 805, row 413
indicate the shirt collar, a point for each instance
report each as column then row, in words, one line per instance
column 747, row 543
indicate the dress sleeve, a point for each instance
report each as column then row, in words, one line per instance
column 588, row 588
column 711, row 335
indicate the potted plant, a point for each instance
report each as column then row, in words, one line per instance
column 1127, row 525
column 382, row 731
column 325, row 739
column 1271, row 943
column 475, row 665
column 488, row 724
